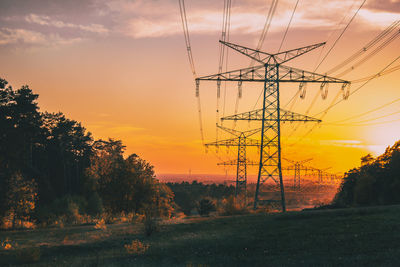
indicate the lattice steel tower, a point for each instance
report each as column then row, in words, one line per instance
column 297, row 167
column 271, row 72
column 241, row 141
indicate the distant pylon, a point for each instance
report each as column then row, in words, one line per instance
column 297, row 167
column 241, row 141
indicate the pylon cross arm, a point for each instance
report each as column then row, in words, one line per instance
column 239, row 133
column 252, row 74
column 235, row 142
column 293, row 53
column 257, row 55
column 290, row 74
column 263, row 57
column 235, row 162
column 286, row 75
column 257, row 115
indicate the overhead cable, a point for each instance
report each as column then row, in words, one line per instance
column 191, row 62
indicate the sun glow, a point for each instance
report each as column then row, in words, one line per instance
column 383, row 136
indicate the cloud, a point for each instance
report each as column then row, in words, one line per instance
column 206, row 22
column 378, row 18
column 47, row 21
column 385, row 5
column 155, row 18
column 149, row 19
column 343, row 143
column 22, row 36
column 13, row 36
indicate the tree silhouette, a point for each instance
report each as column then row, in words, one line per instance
column 376, row 182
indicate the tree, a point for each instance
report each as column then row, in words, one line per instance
column 376, row 182
column 126, row 185
column 21, row 198
column 66, row 155
column 205, row 206
column 20, row 132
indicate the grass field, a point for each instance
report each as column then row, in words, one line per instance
column 356, row 237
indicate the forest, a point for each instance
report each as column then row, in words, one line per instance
column 54, row 172
column 52, row 169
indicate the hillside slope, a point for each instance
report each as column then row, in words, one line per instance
column 359, row 236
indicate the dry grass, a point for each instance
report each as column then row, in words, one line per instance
column 356, row 237
column 136, row 247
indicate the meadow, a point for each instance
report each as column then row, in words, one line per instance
column 354, row 236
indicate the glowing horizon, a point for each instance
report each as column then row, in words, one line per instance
column 120, row 68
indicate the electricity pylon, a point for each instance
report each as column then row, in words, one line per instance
column 271, row 72
column 241, row 141
column 297, row 167
column 321, row 174
column 267, row 115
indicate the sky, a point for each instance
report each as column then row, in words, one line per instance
column 121, row 68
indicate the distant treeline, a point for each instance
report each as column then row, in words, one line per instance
column 52, row 168
column 376, row 182
column 189, row 195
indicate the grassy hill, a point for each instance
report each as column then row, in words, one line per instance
column 359, row 236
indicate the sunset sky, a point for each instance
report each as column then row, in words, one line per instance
column 121, row 68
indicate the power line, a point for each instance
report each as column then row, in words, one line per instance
column 264, row 32
column 222, row 50
column 191, row 62
column 267, row 24
column 366, row 47
column 341, row 34
column 379, row 74
column 334, row 103
column 366, row 124
column 227, row 56
column 186, row 34
column 371, row 119
column 361, row 86
column 368, row 112
column 287, row 28
column 337, row 28
column 326, row 55
column 373, row 53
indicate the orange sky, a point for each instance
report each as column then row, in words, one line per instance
column 120, row 67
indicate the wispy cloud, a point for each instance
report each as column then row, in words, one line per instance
column 47, row 21
column 155, row 19
column 378, row 18
column 149, row 19
column 343, row 143
column 22, row 36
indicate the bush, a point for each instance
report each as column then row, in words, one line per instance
column 231, row 207
column 205, row 206
column 136, row 248
column 65, row 210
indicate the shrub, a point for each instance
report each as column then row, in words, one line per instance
column 231, row 207
column 205, row 206
column 100, row 224
column 136, row 247
column 6, row 244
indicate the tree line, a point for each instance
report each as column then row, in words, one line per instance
column 52, row 170
column 51, row 166
column 375, row 182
